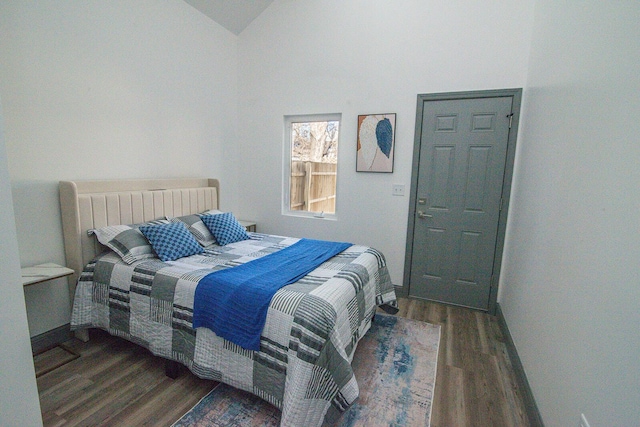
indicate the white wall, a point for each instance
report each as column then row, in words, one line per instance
column 570, row 288
column 153, row 88
column 101, row 90
column 19, row 404
column 360, row 57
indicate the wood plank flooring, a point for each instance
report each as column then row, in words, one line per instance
column 116, row 383
column 475, row 382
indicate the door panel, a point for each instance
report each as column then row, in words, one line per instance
column 463, row 147
column 441, row 177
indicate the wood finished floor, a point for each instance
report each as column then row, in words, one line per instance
column 116, row 383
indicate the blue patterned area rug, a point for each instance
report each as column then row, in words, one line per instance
column 398, row 393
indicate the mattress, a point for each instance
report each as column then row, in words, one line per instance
column 308, row 341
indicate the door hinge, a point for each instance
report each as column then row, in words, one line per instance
column 510, row 119
column 501, row 199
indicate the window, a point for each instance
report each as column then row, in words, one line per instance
column 311, row 165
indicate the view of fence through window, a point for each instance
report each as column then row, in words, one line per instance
column 314, row 161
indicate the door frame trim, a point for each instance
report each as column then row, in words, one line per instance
column 516, row 95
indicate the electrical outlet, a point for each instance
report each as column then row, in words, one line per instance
column 583, row 421
column 398, row 190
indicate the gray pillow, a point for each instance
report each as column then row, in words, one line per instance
column 197, row 227
column 127, row 240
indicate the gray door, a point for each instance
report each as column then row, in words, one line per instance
column 457, row 198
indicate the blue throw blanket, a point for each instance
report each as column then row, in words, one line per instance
column 233, row 302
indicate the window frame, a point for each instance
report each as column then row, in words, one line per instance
column 286, row 170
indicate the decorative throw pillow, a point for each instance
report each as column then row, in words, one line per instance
column 127, row 240
column 171, row 241
column 225, row 228
column 197, row 228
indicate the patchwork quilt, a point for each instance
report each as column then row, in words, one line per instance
column 312, row 328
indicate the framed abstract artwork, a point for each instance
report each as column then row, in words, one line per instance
column 376, row 142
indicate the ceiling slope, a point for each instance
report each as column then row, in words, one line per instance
column 234, row 15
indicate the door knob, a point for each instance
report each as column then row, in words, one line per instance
column 424, row 215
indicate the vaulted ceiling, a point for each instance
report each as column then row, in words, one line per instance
column 234, row 15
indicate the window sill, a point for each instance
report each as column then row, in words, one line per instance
column 311, row 215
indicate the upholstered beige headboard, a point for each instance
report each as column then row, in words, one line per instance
column 93, row 204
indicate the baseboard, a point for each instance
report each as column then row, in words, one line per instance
column 535, row 420
column 50, row 339
column 401, row 291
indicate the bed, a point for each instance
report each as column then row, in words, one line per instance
column 312, row 326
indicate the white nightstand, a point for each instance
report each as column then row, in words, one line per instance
column 249, row 225
column 43, row 272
